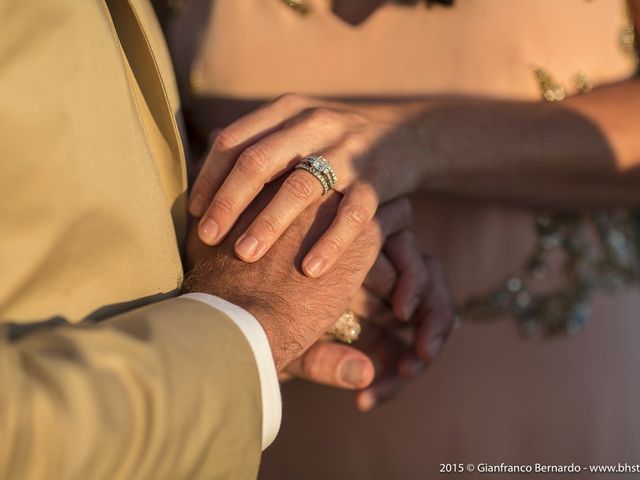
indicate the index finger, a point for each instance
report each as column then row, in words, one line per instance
column 232, row 141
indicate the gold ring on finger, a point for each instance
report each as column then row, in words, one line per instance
column 347, row 328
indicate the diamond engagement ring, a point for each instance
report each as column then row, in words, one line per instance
column 347, row 329
column 320, row 168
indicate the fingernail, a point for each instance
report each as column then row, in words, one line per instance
column 209, row 231
column 247, row 246
column 410, row 308
column 434, row 347
column 367, row 401
column 314, row 266
column 196, row 206
column 352, row 372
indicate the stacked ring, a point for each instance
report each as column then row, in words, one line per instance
column 320, row 168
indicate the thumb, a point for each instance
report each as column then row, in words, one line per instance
column 333, row 364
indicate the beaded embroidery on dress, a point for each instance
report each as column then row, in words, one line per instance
column 600, row 249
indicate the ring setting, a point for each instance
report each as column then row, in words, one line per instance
column 347, row 329
column 321, row 169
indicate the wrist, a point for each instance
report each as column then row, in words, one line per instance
column 264, row 314
column 403, row 141
column 438, row 130
column 421, row 150
column 269, row 319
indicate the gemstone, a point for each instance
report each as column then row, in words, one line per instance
column 514, row 284
column 319, row 164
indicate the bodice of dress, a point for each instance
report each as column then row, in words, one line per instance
column 260, row 48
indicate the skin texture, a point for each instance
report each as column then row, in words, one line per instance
column 292, row 308
column 584, row 150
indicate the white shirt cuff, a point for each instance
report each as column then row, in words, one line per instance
column 269, row 385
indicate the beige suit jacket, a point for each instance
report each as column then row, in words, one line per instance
column 92, row 186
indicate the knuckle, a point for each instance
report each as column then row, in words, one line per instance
column 253, row 160
column 324, row 121
column 332, row 246
column 223, row 205
column 319, row 115
column 301, row 186
column 226, row 140
column 269, row 225
column 356, row 215
column 353, row 143
column 290, row 99
column 204, row 183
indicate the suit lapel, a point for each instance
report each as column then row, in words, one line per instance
column 137, row 47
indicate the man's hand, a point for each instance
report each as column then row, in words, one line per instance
column 293, row 309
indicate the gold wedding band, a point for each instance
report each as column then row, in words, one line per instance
column 347, row 329
column 321, row 169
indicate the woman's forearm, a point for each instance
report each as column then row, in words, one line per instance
column 583, row 152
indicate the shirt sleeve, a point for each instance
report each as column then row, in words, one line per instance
column 255, row 335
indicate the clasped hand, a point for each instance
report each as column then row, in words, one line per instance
column 295, row 310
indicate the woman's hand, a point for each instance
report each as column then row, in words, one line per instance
column 362, row 142
column 407, row 316
column 408, row 320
